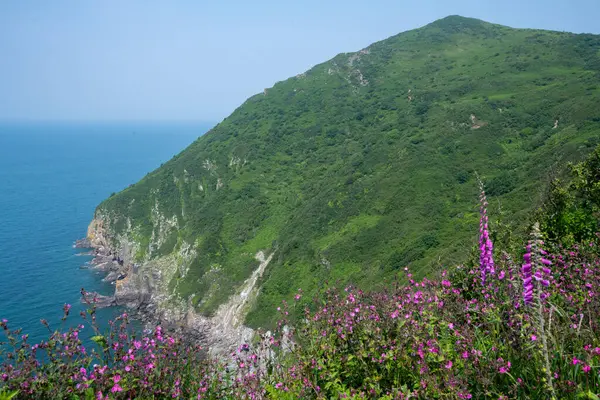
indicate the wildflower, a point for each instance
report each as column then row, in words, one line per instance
column 448, row 364
column 116, row 388
column 527, row 279
column 535, row 267
column 486, row 247
column 586, row 368
column 533, row 338
column 575, row 361
column 504, row 369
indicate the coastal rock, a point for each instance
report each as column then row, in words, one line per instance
column 82, row 244
column 143, row 287
column 85, row 253
column 99, row 300
column 112, row 276
column 103, row 265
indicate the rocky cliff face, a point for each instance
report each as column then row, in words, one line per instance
column 143, row 284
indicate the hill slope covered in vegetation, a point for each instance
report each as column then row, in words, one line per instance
column 366, row 164
column 501, row 329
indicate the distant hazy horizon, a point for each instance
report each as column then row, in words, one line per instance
column 107, row 121
column 196, row 61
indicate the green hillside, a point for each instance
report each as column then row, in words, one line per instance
column 367, row 163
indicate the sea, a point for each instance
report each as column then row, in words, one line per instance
column 52, row 177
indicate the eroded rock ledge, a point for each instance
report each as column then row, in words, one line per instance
column 143, row 288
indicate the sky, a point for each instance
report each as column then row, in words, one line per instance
column 178, row 60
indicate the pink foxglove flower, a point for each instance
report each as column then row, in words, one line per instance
column 486, row 247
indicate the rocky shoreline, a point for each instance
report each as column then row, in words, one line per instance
column 140, row 288
column 116, row 270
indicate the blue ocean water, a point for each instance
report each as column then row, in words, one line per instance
column 52, row 176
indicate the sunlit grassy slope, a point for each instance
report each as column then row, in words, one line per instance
column 366, row 163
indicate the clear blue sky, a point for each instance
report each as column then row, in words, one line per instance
column 199, row 60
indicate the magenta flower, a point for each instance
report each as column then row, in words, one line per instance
column 535, row 269
column 486, row 247
column 586, row 368
column 116, row 388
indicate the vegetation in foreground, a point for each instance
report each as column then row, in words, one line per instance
column 498, row 329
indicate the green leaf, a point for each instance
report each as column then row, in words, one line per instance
column 5, row 395
column 100, row 340
column 592, row 396
column 588, row 395
column 89, row 394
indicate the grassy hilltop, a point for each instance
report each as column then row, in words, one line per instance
column 367, row 163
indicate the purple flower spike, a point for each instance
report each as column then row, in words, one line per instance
column 535, row 269
column 486, row 247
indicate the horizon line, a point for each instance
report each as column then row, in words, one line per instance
column 2, row 120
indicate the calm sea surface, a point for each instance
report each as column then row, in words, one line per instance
column 52, row 176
